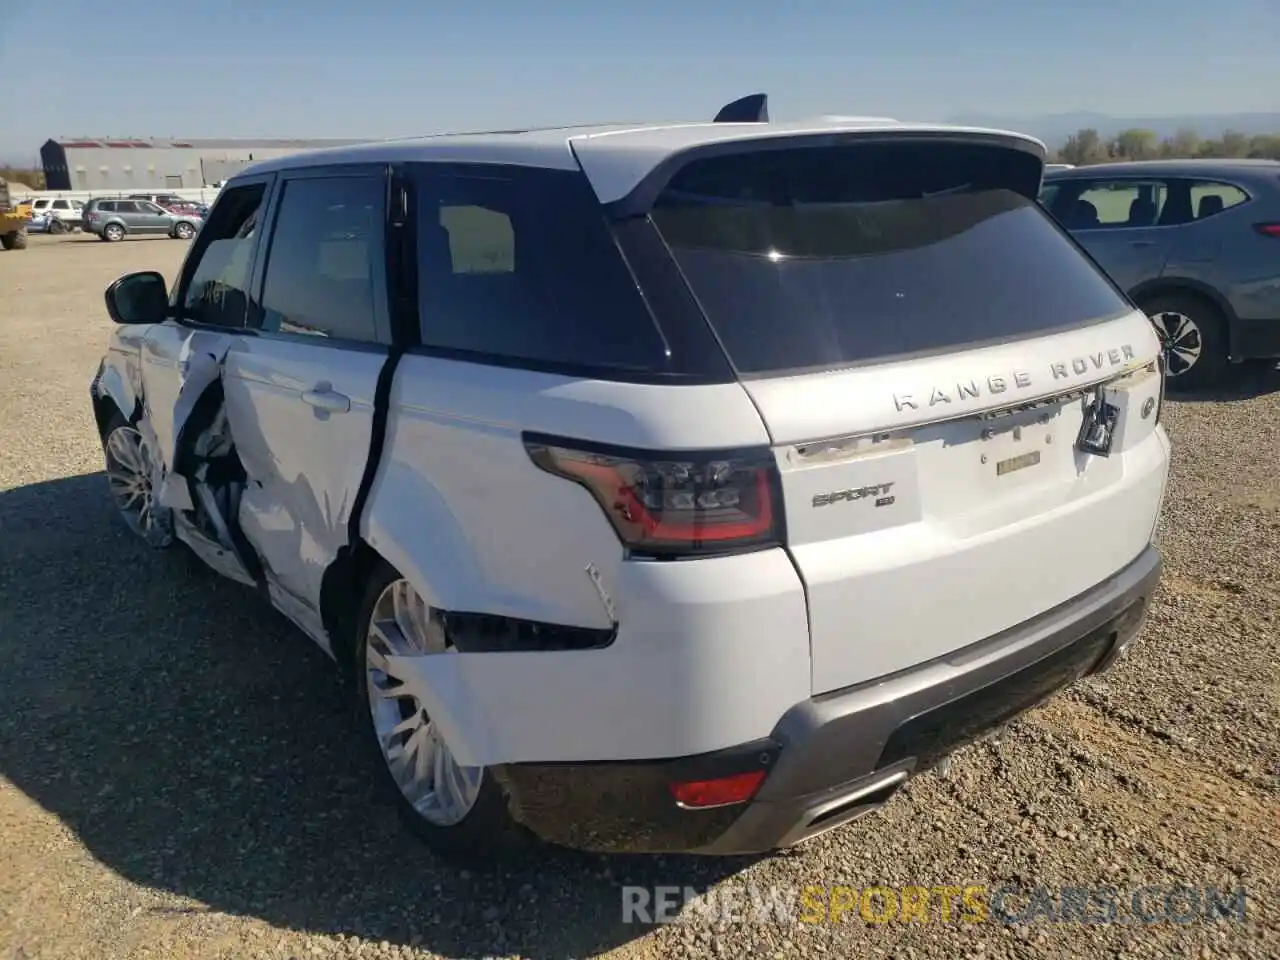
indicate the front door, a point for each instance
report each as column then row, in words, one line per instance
column 183, row 355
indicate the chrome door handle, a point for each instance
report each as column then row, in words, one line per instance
column 323, row 398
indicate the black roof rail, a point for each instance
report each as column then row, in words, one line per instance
column 753, row 108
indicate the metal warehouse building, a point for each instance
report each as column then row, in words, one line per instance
column 87, row 164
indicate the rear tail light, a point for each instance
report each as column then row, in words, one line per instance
column 1268, row 229
column 720, row 792
column 675, row 504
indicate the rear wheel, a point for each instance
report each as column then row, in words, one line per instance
column 113, row 232
column 459, row 811
column 16, row 240
column 1194, row 334
column 184, row 231
column 56, row 226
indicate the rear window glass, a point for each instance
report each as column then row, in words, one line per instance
column 831, row 256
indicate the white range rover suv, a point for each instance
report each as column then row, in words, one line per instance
column 682, row 487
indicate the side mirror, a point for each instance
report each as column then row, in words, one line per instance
column 138, row 298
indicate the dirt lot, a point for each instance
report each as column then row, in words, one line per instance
column 179, row 777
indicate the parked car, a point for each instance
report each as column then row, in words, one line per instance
column 64, row 214
column 43, row 222
column 1195, row 243
column 115, row 219
column 667, row 488
column 165, row 200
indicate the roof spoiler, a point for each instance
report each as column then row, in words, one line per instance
column 750, row 109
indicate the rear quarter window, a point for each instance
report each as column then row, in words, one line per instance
column 521, row 269
column 1213, row 197
column 825, row 257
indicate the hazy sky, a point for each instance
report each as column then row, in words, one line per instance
column 384, row 68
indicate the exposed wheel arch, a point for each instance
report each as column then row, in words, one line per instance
column 341, row 590
column 1183, row 286
column 105, row 409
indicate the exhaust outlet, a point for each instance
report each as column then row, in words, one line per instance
column 847, row 807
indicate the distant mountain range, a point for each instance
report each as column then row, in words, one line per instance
column 1054, row 129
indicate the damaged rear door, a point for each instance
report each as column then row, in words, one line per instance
column 299, row 387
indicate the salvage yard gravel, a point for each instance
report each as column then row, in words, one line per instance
column 180, row 777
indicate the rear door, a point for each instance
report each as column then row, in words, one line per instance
column 300, row 390
column 1125, row 224
column 925, row 346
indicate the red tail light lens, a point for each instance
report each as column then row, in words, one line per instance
column 738, row 788
column 1268, row 229
column 674, row 504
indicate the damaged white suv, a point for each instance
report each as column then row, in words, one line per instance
column 670, row 488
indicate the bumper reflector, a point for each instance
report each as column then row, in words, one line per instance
column 720, row 792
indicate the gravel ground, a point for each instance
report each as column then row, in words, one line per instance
column 179, row 777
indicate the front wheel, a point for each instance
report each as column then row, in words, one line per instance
column 130, row 476
column 458, row 811
column 16, row 240
column 1194, row 335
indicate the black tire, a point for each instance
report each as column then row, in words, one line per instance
column 1209, row 335
column 17, row 240
column 56, row 226
column 113, row 232
column 488, row 830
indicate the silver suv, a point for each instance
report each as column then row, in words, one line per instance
column 113, row 219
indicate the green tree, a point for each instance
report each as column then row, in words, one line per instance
column 1083, row 146
column 1135, row 145
column 1184, row 143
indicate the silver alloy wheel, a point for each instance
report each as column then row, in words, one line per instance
column 1182, row 340
column 129, row 470
column 113, row 231
column 184, row 231
column 439, row 788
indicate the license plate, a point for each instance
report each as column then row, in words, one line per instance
column 1020, row 462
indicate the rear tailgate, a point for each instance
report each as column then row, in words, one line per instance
column 924, row 346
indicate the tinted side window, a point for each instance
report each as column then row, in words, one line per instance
column 107, row 206
column 320, row 277
column 524, row 267
column 1124, row 203
column 61, row 205
column 1208, row 198
column 218, row 292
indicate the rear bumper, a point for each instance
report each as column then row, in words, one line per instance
column 841, row 755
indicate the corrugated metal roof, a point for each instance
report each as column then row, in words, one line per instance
column 201, row 144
